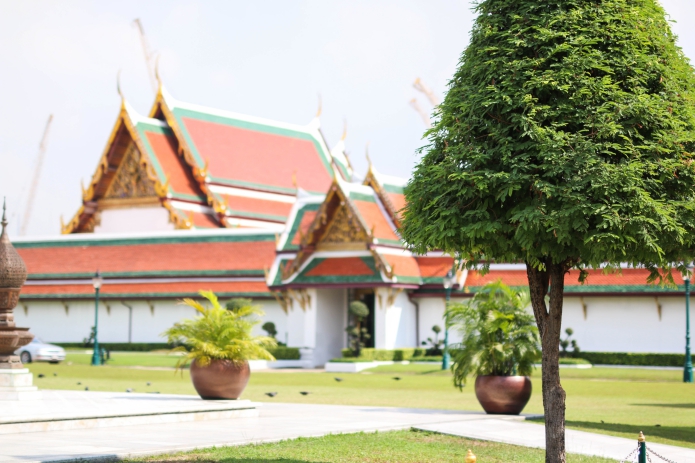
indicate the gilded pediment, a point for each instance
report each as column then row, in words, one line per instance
column 131, row 180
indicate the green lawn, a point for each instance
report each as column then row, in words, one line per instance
column 398, row 446
column 611, row 401
column 145, row 359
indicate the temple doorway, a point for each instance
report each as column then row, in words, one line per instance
column 365, row 295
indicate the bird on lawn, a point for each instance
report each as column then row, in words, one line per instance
column 397, row 378
column 271, row 394
column 79, row 383
column 149, row 383
column 86, row 388
column 304, row 392
column 129, row 390
column 41, row 375
column 55, row 374
column 338, row 379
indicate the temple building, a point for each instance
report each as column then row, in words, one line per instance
column 192, row 198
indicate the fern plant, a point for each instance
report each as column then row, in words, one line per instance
column 219, row 334
column 499, row 336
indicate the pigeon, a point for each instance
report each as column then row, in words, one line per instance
column 41, row 375
column 86, row 388
column 304, row 392
column 129, row 390
column 79, row 383
column 271, row 394
column 149, row 384
column 657, row 425
column 397, row 378
column 338, row 379
column 55, row 374
column 602, row 421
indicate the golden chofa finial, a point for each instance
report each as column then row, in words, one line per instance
column 342, row 138
column 156, row 71
column 641, row 438
column 470, row 458
column 366, row 153
column 318, row 111
column 118, row 85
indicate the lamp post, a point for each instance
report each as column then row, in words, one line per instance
column 448, row 282
column 96, row 282
column 688, row 367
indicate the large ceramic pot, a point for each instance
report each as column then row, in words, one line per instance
column 220, row 380
column 506, row 395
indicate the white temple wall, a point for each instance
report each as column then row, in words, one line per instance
column 627, row 324
column 50, row 321
column 135, row 219
column 394, row 324
column 331, row 322
column 432, row 313
column 301, row 320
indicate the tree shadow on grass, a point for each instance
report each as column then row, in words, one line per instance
column 193, row 459
column 667, row 405
column 673, row 433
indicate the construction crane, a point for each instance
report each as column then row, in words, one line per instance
column 434, row 101
column 149, row 55
column 425, row 117
column 37, row 175
column 421, row 87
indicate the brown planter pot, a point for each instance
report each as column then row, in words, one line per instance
column 506, row 395
column 220, row 380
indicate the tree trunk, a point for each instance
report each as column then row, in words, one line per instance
column 549, row 321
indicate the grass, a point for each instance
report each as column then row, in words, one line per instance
column 145, row 359
column 614, row 401
column 396, row 446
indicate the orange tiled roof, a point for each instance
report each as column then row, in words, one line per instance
column 347, row 266
column 178, row 288
column 374, row 218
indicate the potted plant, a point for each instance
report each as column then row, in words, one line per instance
column 219, row 344
column 500, row 344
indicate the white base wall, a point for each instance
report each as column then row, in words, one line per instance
column 52, row 322
column 331, row 321
column 135, row 219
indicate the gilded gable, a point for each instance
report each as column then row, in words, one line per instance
column 131, row 180
column 344, row 228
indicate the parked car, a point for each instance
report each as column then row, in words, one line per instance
column 39, row 351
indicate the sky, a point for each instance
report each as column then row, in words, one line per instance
column 270, row 59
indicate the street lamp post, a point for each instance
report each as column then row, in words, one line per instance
column 448, row 282
column 688, row 367
column 96, row 282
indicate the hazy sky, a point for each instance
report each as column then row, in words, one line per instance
column 266, row 58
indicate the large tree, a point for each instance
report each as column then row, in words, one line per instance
column 565, row 141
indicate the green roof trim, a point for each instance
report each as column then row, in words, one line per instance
column 180, row 113
column 393, row 189
column 375, row 277
column 357, row 196
column 311, row 207
column 255, row 215
column 142, row 128
column 408, row 279
column 183, row 237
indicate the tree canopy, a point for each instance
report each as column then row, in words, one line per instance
column 567, row 133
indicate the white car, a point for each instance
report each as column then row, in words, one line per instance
column 39, row 351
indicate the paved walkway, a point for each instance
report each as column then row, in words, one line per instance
column 278, row 421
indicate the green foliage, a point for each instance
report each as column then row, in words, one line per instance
column 219, row 334
column 573, row 361
column 238, row 303
column 567, row 135
column 499, row 336
column 357, row 334
column 633, row 358
column 359, row 309
column 567, row 342
column 285, row 353
column 436, row 343
column 397, row 355
column 269, row 327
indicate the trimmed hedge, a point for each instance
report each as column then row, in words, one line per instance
column 118, row 346
column 397, row 355
column 574, row 361
column 285, row 353
column 630, row 358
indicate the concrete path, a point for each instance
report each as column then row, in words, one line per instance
column 278, row 421
column 533, row 435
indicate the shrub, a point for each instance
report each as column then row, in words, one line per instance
column 371, row 353
column 219, row 334
column 285, row 353
column 632, row 358
column 499, row 336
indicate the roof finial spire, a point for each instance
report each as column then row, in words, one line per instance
column 366, row 153
column 4, row 213
column 294, row 179
column 342, row 138
column 318, row 112
column 118, row 85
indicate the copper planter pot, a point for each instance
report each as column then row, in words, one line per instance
column 507, row 395
column 220, row 380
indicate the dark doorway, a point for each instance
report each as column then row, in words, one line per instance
column 366, row 296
